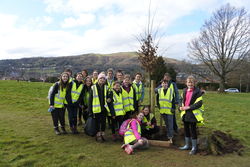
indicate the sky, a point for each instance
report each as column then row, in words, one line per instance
column 46, row 28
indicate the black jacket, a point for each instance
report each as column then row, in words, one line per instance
column 189, row 116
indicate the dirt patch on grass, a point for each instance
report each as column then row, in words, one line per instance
column 222, row 143
column 210, row 141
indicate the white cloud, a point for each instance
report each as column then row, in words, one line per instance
column 116, row 22
column 82, row 20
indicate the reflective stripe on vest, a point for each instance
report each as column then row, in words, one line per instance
column 96, row 106
column 165, row 101
column 75, row 92
column 145, row 120
column 138, row 90
column 128, row 99
column 59, row 98
column 118, row 105
column 129, row 135
column 197, row 112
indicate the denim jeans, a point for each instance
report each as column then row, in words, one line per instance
column 169, row 122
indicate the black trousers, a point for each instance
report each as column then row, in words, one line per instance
column 58, row 114
column 100, row 121
column 190, row 129
column 116, row 123
column 80, row 112
column 72, row 115
column 148, row 132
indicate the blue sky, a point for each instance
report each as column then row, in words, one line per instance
column 31, row 28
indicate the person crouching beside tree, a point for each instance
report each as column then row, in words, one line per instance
column 98, row 106
column 74, row 97
column 56, row 101
column 116, row 109
column 164, row 98
column 132, row 137
column 149, row 126
column 191, row 113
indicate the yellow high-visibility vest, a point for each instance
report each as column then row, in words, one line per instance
column 138, row 90
column 165, row 101
column 96, row 106
column 151, row 116
column 197, row 112
column 118, row 104
column 60, row 98
column 128, row 99
column 129, row 135
column 75, row 92
column 94, row 81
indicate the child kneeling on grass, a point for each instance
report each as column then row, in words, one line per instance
column 132, row 137
column 191, row 114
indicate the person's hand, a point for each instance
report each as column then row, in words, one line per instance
column 152, row 126
column 108, row 100
column 51, row 106
column 148, row 123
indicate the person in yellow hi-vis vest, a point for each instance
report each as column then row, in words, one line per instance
column 164, row 98
column 149, row 124
column 85, row 101
column 74, row 96
column 128, row 97
column 98, row 107
column 191, row 114
column 139, row 90
column 95, row 77
column 56, row 102
column 116, row 109
column 132, row 137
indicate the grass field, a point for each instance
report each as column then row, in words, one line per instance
column 27, row 137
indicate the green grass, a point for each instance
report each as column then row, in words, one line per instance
column 27, row 137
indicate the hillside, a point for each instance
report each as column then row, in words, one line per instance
column 41, row 67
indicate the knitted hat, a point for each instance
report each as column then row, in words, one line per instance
column 101, row 76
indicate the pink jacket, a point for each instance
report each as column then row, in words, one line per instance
column 133, row 126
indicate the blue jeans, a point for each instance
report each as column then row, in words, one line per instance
column 169, row 122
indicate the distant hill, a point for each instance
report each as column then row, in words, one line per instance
column 42, row 67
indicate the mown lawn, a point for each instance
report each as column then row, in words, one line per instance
column 27, row 137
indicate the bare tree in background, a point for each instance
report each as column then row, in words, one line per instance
column 147, row 54
column 224, row 41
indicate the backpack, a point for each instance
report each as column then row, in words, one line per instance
column 51, row 90
column 124, row 126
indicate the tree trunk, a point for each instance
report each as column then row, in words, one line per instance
column 222, row 85
column 149, row 91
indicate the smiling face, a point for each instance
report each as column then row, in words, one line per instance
column 79, row 77
column 88, row 81
column 146, row 111
column 95, row 74
column 116, row 87
column 101, row 81
column 110, row 75
column 140, row 116
column 138, row 77
column 65, row 77
column 119, row 76
column 164, row 85
column 190, row 83
column 126, row 81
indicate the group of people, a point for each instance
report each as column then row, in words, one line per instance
column 116, row 98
